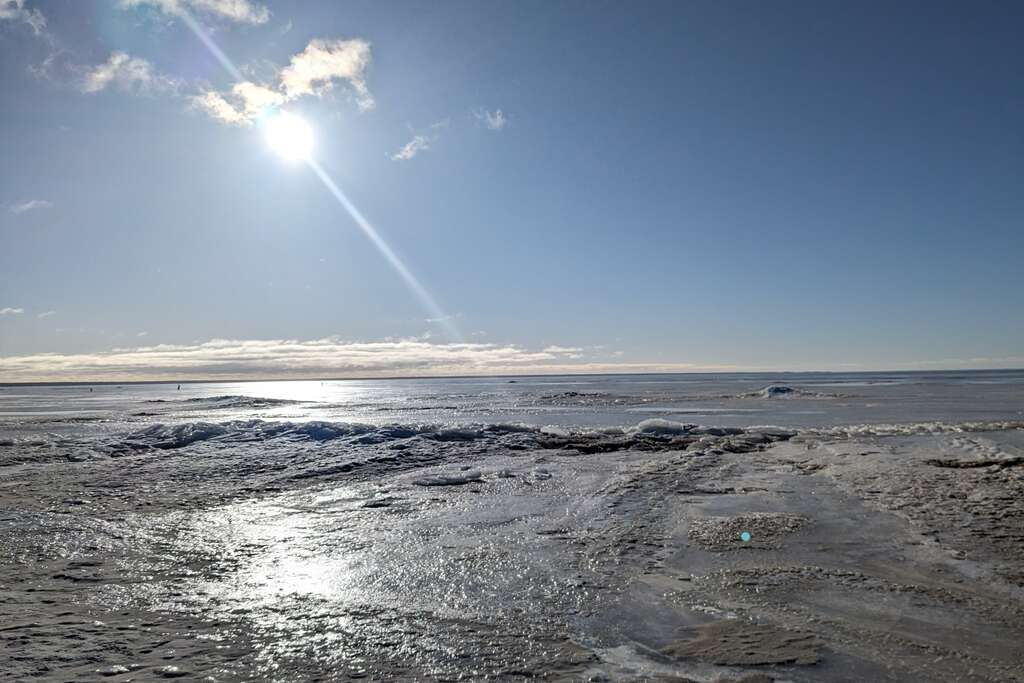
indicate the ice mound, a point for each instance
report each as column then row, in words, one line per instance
column 317, row 430
column 650, row 434
column 718, row 431
column 170, row 436
column 914, row 428
column 784, row 391
column 177, row 436
column 456, row 434
column 510, row 428
column 778, row 391
column 660, row 426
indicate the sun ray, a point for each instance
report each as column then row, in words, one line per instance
column 385, row 249
column 206, row 40
column 292, row 138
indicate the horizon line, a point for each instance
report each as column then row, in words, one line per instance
column 390, row 378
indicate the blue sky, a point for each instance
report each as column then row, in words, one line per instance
column 584, row 186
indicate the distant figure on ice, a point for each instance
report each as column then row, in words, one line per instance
column 179, row 387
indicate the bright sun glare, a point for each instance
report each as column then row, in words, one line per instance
column 289, row 136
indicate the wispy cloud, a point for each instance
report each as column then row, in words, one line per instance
column 306, row 359
column 127, row 73
column 443, row 318
column 29, row 205
column 55, row 65
column 46, row 314
column 419, row 143
column 11, row 311
column 241, row 11
column 493, row 120
column 314, row 71
column 15, row 10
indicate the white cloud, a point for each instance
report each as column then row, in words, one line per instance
column 574, row 352
column 11, row 311
column 142, row 334
column 314, row 71
column 214, row 104
column 241, row 11
column 419, row 143
column 494, row 120
column 30, row 205
column 127, row 73
column 241, row 105
column 554, row 348
column 255, row 98
column 46, row 314
column 14, row 10
column 331, row 357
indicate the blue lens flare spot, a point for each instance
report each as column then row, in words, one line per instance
column 745, row 536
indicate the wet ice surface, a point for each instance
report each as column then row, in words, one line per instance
column 255, row 534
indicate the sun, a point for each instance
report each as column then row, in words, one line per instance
column 289, row 136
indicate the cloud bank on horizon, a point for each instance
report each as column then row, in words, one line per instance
column 319, row 358
column 228, row 359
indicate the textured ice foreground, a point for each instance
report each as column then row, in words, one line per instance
column 292, row 533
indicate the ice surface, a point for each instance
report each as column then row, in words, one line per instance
column 447, row 529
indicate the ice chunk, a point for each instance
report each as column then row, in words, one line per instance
column 448, row 479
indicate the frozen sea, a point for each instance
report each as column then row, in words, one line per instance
column 817, row 400
column 693, row 527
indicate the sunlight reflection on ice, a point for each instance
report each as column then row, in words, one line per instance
column 279, row 551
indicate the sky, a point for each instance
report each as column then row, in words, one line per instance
column 509, row 187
